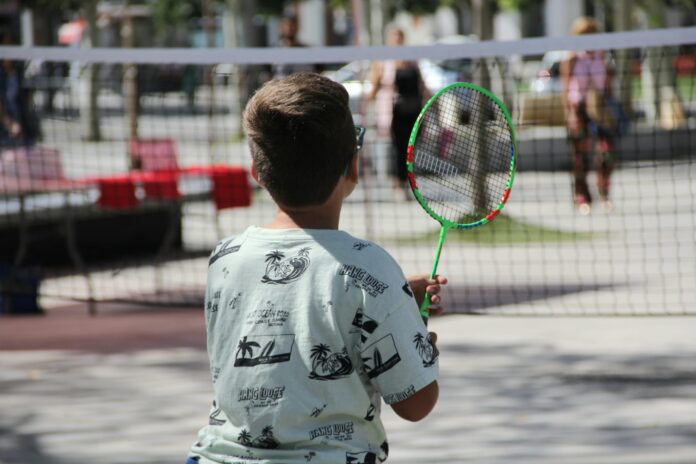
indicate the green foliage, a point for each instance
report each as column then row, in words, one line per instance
column 340, row 4
column 270, row 7
column 418, row 7
column 655, row 9
column 504, row 230
column 166, row 13
column 53, row 5
column 513, row 5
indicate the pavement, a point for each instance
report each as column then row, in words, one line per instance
column 132, row 385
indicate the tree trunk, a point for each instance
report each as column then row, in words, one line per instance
column 209, row 28
column 658, row 77
column 130, row 80
column 483, row 28
column 91, row 120
column 232, row 27
column 622, row 14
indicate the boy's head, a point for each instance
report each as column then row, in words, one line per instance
column 301, row 135
column 288, row 27
column 584, row 25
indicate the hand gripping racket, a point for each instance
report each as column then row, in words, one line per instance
column 461, row 160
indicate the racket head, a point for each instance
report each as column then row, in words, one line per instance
column 462, row 156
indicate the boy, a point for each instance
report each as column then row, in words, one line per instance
column 308, row 326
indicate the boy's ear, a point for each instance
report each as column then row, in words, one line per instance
column 354, row 169
column 255, row 174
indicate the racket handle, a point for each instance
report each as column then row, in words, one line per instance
column 425, row 313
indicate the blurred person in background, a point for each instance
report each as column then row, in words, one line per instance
column 18, row 122
column 399, row 93
column 586, row 77
column 289, row 27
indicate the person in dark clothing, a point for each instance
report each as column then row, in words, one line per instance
column 18, row 124
column 399, row 91
column 289, row 28
column 407, row 105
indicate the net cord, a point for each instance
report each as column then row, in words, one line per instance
column 342, row 54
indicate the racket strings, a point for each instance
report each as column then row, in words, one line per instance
column 462, row 155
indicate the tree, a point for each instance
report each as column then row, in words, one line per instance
column 418, row 7
column 658, row 76
column 244, row 437
column 168, row 13
column 319, row 354
column 87, row 8
column 245, row 347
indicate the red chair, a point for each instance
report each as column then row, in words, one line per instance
column 117, row 192
column 153, row 154
column 34, row 163
column 159, row 171
column 230, row 186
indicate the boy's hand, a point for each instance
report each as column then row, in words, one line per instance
column 420, row 284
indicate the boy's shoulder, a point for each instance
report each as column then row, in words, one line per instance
column 367, row 250
column 372, row 265
column 345, row 247
column 223, row 248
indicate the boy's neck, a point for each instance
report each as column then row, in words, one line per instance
column 322, row 216
column 315, row 217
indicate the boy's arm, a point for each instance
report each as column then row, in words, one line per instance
column 408, row 380
column 375, row 79
column 418, row 406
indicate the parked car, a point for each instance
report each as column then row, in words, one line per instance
column 355, row 76
column 438, row 73
column 548, row 79
column 543, row 104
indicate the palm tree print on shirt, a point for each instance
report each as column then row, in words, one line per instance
column 244, row 346
column 327, row 365
column 284, row 271
column 263, row 349
column 427, row 351
column 244, row 437
column 365, row 457
column 265, row 441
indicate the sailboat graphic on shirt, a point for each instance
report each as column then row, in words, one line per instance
column 216, row 416
column 380, row 356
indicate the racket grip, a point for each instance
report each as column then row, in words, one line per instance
column 424, row 311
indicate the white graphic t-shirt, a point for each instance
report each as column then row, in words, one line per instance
column 308, row 330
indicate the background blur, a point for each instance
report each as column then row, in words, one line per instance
column 123, row 163
column 126, row 168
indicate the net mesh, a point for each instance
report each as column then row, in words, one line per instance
column 123, row 177
column 462, row 155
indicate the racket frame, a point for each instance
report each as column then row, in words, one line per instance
column 445, row 224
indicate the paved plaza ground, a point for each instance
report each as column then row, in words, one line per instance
column 131, row 385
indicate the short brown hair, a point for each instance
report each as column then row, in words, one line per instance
column 301, row 135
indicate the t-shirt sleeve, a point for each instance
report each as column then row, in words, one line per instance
column 398, row 355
